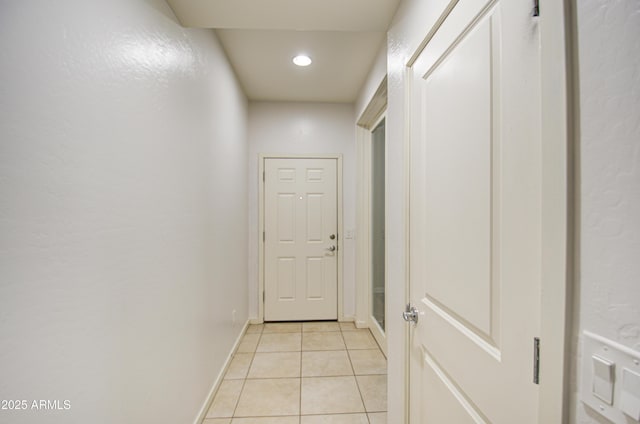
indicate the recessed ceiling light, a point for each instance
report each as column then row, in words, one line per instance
column 302, row 60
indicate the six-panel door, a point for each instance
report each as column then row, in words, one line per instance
column 300, row 219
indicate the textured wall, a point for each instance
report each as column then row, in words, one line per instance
column 410, row 24
column 608, row 299
column 122, row 211
column 376, row 74
column 303, row 128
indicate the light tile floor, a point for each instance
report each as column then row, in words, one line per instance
column 303, row 373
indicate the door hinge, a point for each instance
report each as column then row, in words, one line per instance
column 536, row 360
column 536, row 7
column 264, row 237
column 263, row 177
column 263, row 296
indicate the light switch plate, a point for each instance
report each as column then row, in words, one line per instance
column 630, row 397
column 612, row 352
column 603, row 379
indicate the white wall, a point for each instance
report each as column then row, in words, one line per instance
column 375, row 76
column 123, row 210
column 303, row 128
column 608, row 296
column 410, row 25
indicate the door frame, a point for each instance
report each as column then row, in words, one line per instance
column 371, row 116
column 379, row 334
column 262, row 157
column 557, row 66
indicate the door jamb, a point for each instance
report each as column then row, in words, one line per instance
column 340, row 239
column 374, row 327
column 558, row 206
column 372, row 114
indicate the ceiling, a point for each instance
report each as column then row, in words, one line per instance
column 260, row 37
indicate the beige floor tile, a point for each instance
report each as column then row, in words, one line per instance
column 225, row 400
column 267, row 420
column 374, row 392
column 283, row 327
column 378, row 418
column 348, row 326
column 335, row 419
column 217, row 421
column 275, row 365
column 369, row 361
column 269, row 397
column 320, row 326
column 360, row 339
column 255, row 328
column 239, row 366
column 326, row 363
column 330, row 395
column 322, row 341
column 280, row 342
column 248, row 343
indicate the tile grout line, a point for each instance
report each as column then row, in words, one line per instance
column 266, row 378
column 300, row 397
column 300, row 352
column 356, row 379
column 244, row 381
column 386, row 374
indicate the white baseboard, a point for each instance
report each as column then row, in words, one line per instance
column 216, row 384
column 362, row 324
column 344, row 319
column 356, row 322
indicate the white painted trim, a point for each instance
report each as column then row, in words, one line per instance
column 362, row 324
column 362, row 224
column 365, row 234
column 376, row 106
column 404, row 349
column 262, row 157
column 368, row 120
column 202, row 414
column 341, row 243
column 373, row 325
column 260, row 295
column 378, row 335
column 557, row 208
column 436, row 26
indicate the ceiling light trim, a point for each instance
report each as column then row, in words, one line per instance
column 302, row 60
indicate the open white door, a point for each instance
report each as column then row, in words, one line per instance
column 475, row 217
column 301, row 239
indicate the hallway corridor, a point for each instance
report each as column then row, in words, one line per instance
column 303, row 373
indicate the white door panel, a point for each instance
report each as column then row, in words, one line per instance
column 458, row 176
column 475, row 217
column 300, row 214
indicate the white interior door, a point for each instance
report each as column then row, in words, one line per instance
column 301, row 239
column 475, row 217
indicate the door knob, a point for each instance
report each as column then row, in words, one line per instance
column 410, row 314
column 332, row 236
column 331, row 248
